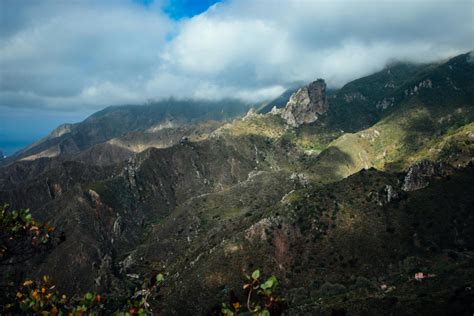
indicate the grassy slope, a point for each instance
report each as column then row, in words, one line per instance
column 406, row 136
column 165, row 137
column 414, row 131
column 435, row 123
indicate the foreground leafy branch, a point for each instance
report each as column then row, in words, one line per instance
column 42, row 297
column 21, row 237
column 260, row 296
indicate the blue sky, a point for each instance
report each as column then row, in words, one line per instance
column 62, row 60
column 178, row 9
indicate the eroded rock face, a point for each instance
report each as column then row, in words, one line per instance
column 251, row 113
column 61, row 130
column 306, row 104
column 276, row 111
column 421, row 173
column 392, row 195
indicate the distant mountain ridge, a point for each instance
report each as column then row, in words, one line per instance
column 116, row 121
column 352, row 108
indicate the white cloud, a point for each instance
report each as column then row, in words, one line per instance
column 69, row 48
column 63, row 54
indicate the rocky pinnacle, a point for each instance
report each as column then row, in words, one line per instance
column 306, row 104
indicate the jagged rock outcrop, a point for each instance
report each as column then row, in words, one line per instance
column 392, row 195
column 61, row 130
column 306, row 104
column 421, row 173
column 385, row 103
column 385, row 196
column 425, row 84
column 251, row 113
column 276, row 111
column 300, row 180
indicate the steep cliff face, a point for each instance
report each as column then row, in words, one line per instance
column 306, row 104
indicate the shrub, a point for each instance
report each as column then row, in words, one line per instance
column 330, row 289
column 42, row 297
column 362, row 283
column 260, row 300
column 21, row 236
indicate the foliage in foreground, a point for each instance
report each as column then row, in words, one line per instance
column 42, row 297
column 21, row 236
column 260, row 300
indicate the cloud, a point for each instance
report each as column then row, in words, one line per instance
column 254, row 43
column 73, row 53
column 66, row 55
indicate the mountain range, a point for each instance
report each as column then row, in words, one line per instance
column 342, row 194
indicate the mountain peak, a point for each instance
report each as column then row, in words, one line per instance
column 306, row 104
